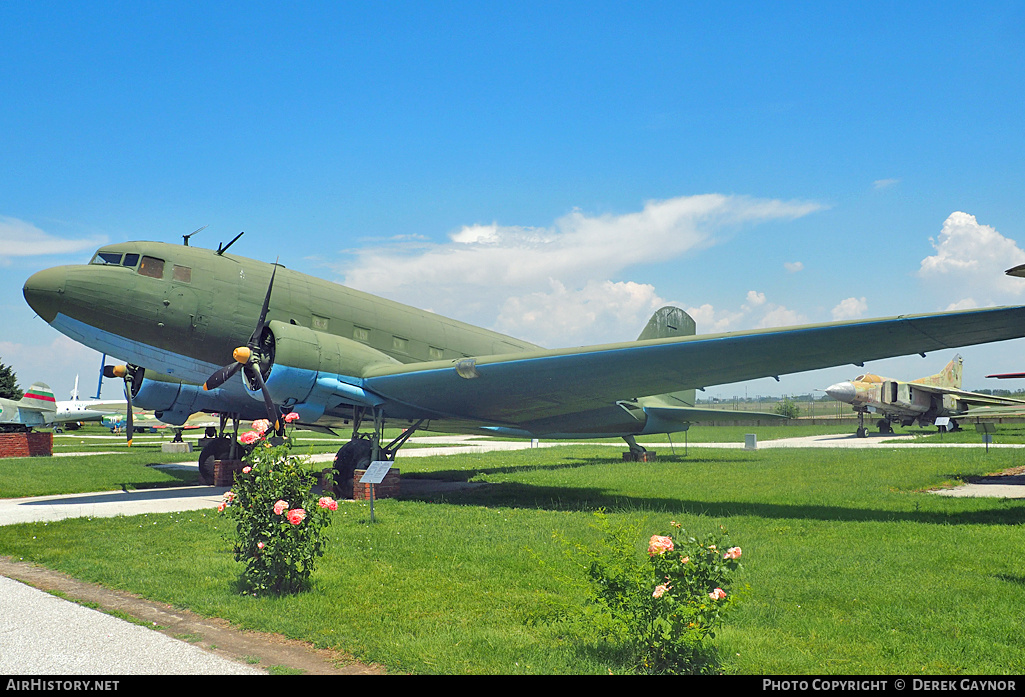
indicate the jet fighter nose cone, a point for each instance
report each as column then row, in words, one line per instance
column 842, row 391
column 44, row 291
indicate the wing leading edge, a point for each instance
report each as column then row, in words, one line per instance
column 524, row 387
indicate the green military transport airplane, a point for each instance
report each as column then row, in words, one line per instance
column 338, row 357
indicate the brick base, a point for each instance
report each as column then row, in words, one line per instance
column 388, row 489
column 26, row 444
column 646, row 456
column 224, row 471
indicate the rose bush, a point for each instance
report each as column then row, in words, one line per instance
column 279, row 522
column 667, row 606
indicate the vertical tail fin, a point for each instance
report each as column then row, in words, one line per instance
column 950, row 376
column 39, row 397
column 668, row 322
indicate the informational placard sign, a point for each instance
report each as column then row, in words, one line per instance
column 376, row 473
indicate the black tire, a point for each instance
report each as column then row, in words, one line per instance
column 216, row 449
column 862, row 433
column 352, row 456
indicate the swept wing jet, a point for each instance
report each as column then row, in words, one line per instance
column 923, row 400
column 35, row 409
column 248, row 339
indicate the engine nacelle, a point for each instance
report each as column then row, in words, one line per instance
column 173, row 402
column 309, row 365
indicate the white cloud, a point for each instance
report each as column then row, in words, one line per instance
column 756, row 312
column 884, row 183
column 529, row 274
column 21, row 239
column 973, row 256
column 600, row 311
column 850, row 308
column 793, row 266
column 779, row 316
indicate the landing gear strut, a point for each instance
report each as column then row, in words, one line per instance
column 364, row 448
column 862, row 432
column 220, row 448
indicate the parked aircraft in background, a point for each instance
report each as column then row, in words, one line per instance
column 338, row 357
column 75, row 410
column 923, row 400
column 35, row 409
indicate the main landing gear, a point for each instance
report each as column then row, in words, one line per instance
column 365, row 448
column 220, row 447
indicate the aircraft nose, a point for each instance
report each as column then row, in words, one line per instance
column 842, row 391
column 44, row 291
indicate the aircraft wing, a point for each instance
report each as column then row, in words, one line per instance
column 971, row 398
column 523, row 387
column 1005, row 376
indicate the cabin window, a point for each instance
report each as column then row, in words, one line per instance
column 131, row 260
column 436, row 354
column 399, row 344
column 104, row 258
column 152, row 267
column 182, row 273
column 360, row 334
column 319, row 323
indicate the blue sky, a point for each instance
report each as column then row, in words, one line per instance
column 555, row 171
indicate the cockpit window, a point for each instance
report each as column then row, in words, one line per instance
column 104, row 258
column 182, row 273
column 130, row 260
column 153, row 267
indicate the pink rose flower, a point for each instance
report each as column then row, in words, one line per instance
column 261, row 425
column 260, row 545
column 717, row 594
column 659, row 544
column 328, row 503
column 249, row 437
column 280, row 507
column 732, row 553
column 290, row 417
column 247, row 469
column 296, row 515
column 220, row 509
column 660, row 590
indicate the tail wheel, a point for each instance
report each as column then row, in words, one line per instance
column 352, row 456
column 216, row 449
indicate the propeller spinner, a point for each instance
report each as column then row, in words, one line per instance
column 248, row 359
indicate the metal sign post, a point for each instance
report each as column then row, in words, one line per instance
column 375, row 474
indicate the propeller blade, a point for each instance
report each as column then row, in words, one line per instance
column 273, row 415
column 221, row 376
column 263, row 310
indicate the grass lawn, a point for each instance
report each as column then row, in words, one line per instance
column 849, row 566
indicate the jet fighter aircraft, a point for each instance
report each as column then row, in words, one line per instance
column 339, row 357
column 34, row 409
column 923, row 400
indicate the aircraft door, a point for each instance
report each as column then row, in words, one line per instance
column 182, row 315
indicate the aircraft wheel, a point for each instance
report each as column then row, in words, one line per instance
column 862, row 433
column 352, row 456
column 216, row 449
column 954, row 426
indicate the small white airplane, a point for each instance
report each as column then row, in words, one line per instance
column 75, row 410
